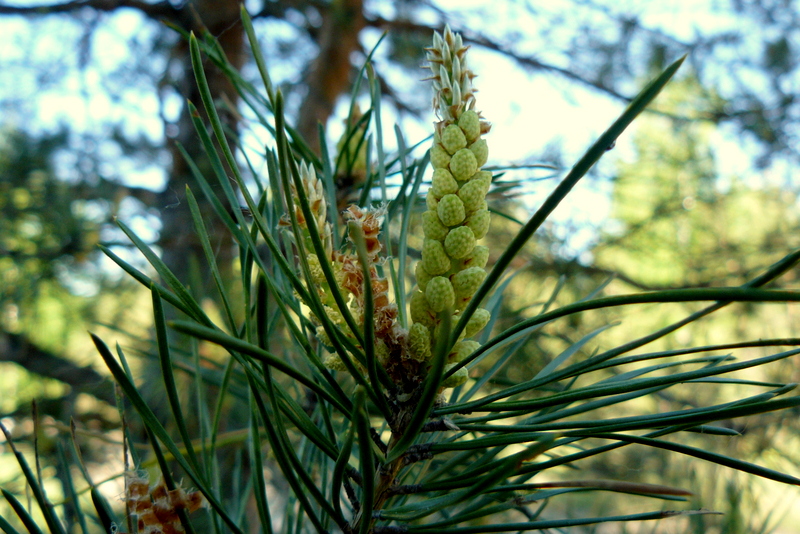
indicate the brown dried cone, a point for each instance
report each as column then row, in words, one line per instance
column 156, row 507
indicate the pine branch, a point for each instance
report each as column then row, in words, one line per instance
column 158, row 10
column 19, row 349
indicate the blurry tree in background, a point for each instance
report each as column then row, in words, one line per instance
column 700, row 228
column 48, row 231
column 123, row 63
column 675, row 222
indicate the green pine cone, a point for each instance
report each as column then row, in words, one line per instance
column 323, row 338
column 479, row 257
column 434, row 258
column 466, row 282
column 421, row 311
column 458, row 378
column 432, row 226
column 485, row 178
column 463, row 164
column 462, row 349
column 451, row 210
column 315, row 268
column 440, row 294
column 422, row 276
column 473, row 193
column 431, row 202
column 453, row 139
column 477, row 322
column 470, row 124
column 334, row 362
column 459, row 242
column 419, row 342
column 440, row 159
column 443, row 183
column 481, row 151
column 439, row 330
column 479, row 222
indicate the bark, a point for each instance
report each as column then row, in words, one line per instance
column 178, row 240
column 19, row 349
column 330, row 73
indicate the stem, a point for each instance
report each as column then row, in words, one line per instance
column 386, row 475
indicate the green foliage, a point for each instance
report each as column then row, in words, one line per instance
column 313, row 357
column 669, row 201
column 45, row 225
column 50, row 272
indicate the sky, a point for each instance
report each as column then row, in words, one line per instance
column 543, row 107
column 529, row 111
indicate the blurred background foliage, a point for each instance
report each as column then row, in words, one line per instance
column 93, row 107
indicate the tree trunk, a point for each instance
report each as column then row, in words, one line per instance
column 329, row 76
column 178, row 240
